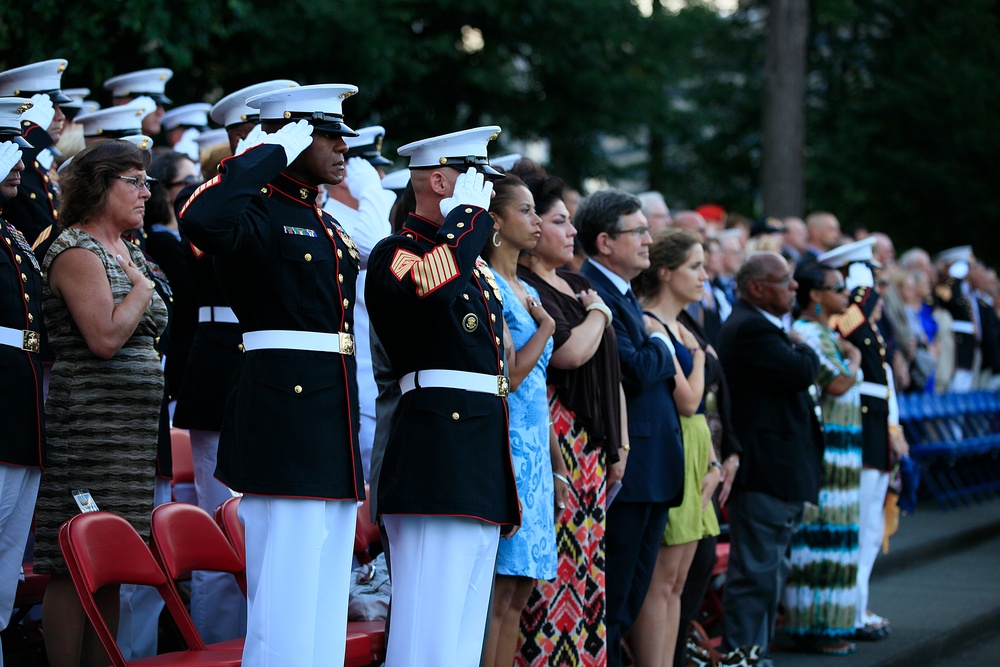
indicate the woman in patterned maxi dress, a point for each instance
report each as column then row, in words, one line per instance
column 563, row 622
column 821, row 592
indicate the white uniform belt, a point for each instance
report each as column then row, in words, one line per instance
column 498, row 385
column 312, row 341
column 217, row 314
column 875, row 390
column 965, row 327
column 23, row 339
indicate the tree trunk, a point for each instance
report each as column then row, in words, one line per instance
column 783, row 170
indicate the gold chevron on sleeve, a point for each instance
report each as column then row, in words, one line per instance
column 402, row 262
column 850, row 320
column 201, row 188
column 435, row 269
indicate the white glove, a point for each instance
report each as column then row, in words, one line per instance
column 255, row 137
column 41, row 112
column 294, row 138
column 187, row 144
column 471, row 189
column 10, row 155
column 361, row 177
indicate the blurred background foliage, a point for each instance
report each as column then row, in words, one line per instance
column 901, row 107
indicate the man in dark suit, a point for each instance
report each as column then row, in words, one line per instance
column 771, row 376
column 614, row 233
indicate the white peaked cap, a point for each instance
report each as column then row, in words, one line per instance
column 189, row 115
column 232, row 109
column 119, row 121
column 149, row 82
column 463, row 149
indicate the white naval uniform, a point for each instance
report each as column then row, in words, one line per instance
column 367, row 225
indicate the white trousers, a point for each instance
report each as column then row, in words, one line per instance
column 139, row 622
column 218, row 607
column 18, row 491
column 298, row 577
column 871, row 524
column 442, row 585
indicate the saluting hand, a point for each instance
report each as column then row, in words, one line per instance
column 294, row 138
column 361, row 177
column 471, row 189
column 42, row 111
column 10, row 155
column 255, row 137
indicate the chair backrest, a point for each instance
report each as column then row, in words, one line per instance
column 182, row 463
column 227, row 516
column 185, row 538
column 101, row 549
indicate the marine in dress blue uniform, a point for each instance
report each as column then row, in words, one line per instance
column 879, row 415
column 22, row 445
column 36, row 205
column 289, row 435
column 218, row 606
column 953, row 295
column 445, row 485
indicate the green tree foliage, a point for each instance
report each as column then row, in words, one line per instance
column 903, row 132
column 902, row 93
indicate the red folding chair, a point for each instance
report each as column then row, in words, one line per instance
column 185, row 538
column 365, row 640
column 103, row 549
column 182, row 464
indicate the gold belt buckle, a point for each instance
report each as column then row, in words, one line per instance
column 346, row 343
column 503, row 385
column 31, row 341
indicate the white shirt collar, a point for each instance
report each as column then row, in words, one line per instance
column 776, row 321
column 620, row 283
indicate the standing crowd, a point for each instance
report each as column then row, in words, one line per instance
column 554, row 405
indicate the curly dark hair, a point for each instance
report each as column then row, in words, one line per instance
column 809, row 276
column 546, row 190
column 89, row 176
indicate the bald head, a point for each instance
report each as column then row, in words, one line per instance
column 691, row 221
column 654, row 207
column 796, row 237
column 824, row 230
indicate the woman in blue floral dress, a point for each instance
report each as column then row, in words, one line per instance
column 530, row 553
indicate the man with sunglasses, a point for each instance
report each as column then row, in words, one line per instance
column 441, row 469
column 615, row 235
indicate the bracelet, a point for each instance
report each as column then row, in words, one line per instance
column 735, row 459
column 561, row 478
column 627, row 447
column 604, row 309
column 714, row 464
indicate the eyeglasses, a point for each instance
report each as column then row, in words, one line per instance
column 638, row 231
column 839, row 287
column 187, row 180
column 783, row 280
column 137, row 182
